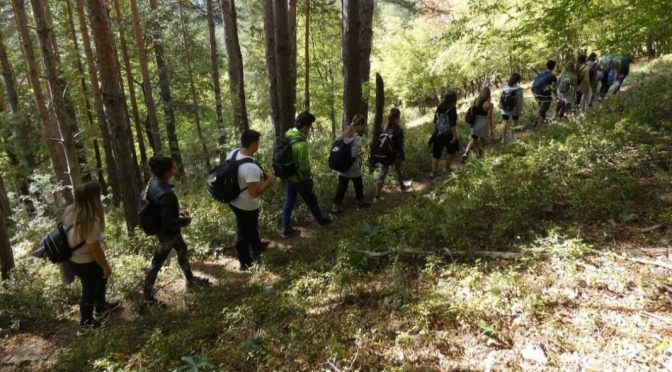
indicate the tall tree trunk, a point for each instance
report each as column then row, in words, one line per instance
column 8, row 77
column 192, row 87
column 365, row 44
column 291, row 26
column 380, row 108
column 306, row 83
column 6, row 254
column 283, row 63
column 113, row 172
column 164, row 89
column 51, row 131
column 352, row 94
column 131, row 91
column 269, row 46
column 235, row 64
column 214, row 62
column 115, row 107
column 152, row 120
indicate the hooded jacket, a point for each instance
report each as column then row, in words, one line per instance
column 299, row 155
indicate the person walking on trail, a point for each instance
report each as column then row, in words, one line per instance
column 543, row 88
column 160, row 195
column 392, row 138
column 593, row 67
column 85, row 219
column 582, row 82
column 301, row 182
column 511, row 104
column 445, row 133
column 622, row 69
column 566, row 91
column 253, row 181
column 352, row 135
column 481, row 130
column 606, row 75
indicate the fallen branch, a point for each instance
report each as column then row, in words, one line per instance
column 661, row 319
column 651, row 228
column 449, row 253
column 636, row 260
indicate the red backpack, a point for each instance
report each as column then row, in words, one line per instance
column 470, row 115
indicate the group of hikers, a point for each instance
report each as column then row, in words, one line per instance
column 240, row 181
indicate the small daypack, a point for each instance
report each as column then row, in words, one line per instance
column 470, row 115
column 340, row 157
column 222, row 182
column 56, row 244
column 283, row 161
column 565, row 83
column 442, row 123
column 383, row 151
column 149, row 215
column 508, row 100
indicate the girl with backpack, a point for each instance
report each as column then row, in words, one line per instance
column 445, row 132
column 511, row 103
column 395, row 135
column 481, row 130
column 85, row 223
column 566, row 91
column 352, row 135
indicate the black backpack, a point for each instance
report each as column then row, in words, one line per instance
column 508, row 100
column 340, row 157
column 223, row 179
column 149, row 215
column 283, row 161
column 56, row 244
column 383, row 151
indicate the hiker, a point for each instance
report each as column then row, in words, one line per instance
column 593, row 67
column 161, row 196
column 86, row 221
column 301, row 182
column 389, row 151
column 511, row 103
column 606, row 75
column 481, row 129
column 352, row 135
column 566, row 91
column 543, row 88
column 582, row 81
column 253, row 181
column 622, row 69
column 445, row 133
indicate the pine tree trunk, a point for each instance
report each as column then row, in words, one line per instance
column 214, row 62
column 6, row 254
column 283, row 63
column 131, row 92
column 164, row 89
column 192, row 87
column 235, row 64
column 152, row 120
column 8, row 77
column 352, row 93
column 51, row 132
column 365, row 45
column 291, row 26
column 380, row 108
column 113, row 172
column 306, row 83
column 115, row 107
column 269, row 46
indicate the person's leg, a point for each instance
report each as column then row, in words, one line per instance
column 437, row 149
column 308, row 195
column 358, row 184
column 160, row 256
column 399, row 170
column 91, row 276
column 505, row 127
column 380, row 181
column 617, row 83
column 183, row 257
column 101, row 293
column 291, row 192
column 242, row 243
column 340, row 192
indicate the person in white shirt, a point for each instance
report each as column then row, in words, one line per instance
column 253, row 182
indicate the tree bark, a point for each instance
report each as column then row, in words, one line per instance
column 6, row 254
column 352, row 80
column 192, row 87
column 164, row 89
column 131, row 93
column 8, row 77
column 152, row 120
column 51, row 131
column 214, row 62
column 306, row 83
column 380, row 108
column 283, row 63
column 365, row 45
column 291, row 26
column 269, row 47
column 113, row 172
column 115, row 107
column 235, row 64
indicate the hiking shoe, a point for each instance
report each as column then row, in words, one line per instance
column 102, row 311
column 89, row 327
column 288, row 233
column 153, row 302
column 198, row 282
column 327, row 220
column 245, row 267
column 465, row 156
column 363, row 205
column 336, row 211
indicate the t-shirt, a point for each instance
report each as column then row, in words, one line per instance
column 247, row 173
column 95, row 234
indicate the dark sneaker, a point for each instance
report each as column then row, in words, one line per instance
column 327, row 220
column 105, row 310
column 363, row 205
column 245, row 267
column 198, row 282
column 465, row 156
column 90, row 327
column 289, row 233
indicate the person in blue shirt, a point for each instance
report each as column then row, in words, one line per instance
column 543, row 88
column 622, row 68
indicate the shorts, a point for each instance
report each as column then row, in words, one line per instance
column 544, row 106
column 506, row 117
column 444, row 141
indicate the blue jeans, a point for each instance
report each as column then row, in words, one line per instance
column 292, row 190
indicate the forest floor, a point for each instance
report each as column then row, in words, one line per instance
column 602, row 302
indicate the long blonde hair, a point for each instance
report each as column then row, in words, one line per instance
column 348, row 131
column 483, row 97
column 87, row 209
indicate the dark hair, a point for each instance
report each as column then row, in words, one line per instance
column 581, row 58
column 159, row 165
column 449, row 100
column 551, row 64
column 394, row 115
column 592, row 56
column 305, row 119
column 249, row 137
column 514, row 79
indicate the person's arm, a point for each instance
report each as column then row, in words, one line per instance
column 303, row 161
column 452, row 120
column 170, row 215
column 256, row 189
column 400, row 145
column 99, row 256
column 356, row 147
column 490, row 129
column 520, row 101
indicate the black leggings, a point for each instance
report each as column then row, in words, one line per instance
column 94, row 288
column 248, row 241
column 166, row 244
column 343, row 187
